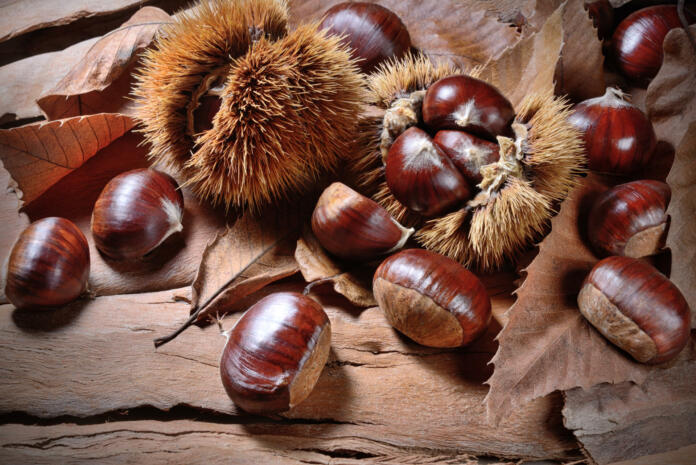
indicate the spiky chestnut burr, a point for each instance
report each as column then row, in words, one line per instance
column 48, row 265
column 630, row 219
column 354, row 227
column 288, row 102
column 514, row 201
column 375, row 34
column 637, row 308
column 432, row 299
column 275, row 353
column 619, row 138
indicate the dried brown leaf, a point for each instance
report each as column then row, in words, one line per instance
column 671, row 97
column 580, row 70
column 457, row 30
column 21, row 17
column 39, row 155
column 529, row 66
column 20, row 93
column 101, row 81
column 625, row 421
column 317, row 266
column 248, row 256
column 682, row 209
column 546, row 344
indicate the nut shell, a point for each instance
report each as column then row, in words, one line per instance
column 374, row 34
column 421, row 176
column 275, row 353
column 637, row 41
column 354, row 227
column 136, row 212
column 468, row 153
column 637, row 308
column 618, row 136
column 468, row 104
column 630, row 219
column 48, row 265
column 432, row 299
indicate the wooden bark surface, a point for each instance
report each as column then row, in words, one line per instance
column 100, row 358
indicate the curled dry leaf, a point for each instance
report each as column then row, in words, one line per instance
column 17, row 18
column 671, row 96
column 457, row 30
column 682, row 209
column 316, row 266
column 20, row 93
column 616, row 422
column 39, row 155
column 101, row 81
column 580, row 70
column 529, row 66
column 546, row 344
column 251, row 254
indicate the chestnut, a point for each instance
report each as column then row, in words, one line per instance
column 468, row 104
column 468, row 153
column 636, row 45
column 353, row 227
column 373, row 33
column 275, row 353
column 637, row 308
column 136, row 212
column 630, row 219
column 48, row 265
column 618, row 136
column 431, row 298
column 421, row 176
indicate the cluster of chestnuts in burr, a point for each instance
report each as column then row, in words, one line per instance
column 49, row 263
column 634, row 46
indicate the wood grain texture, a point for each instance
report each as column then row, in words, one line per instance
column 186, row 441
column 97, row 356
column 625, row 421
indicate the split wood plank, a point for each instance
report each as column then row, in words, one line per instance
column 184, row 441
column 97, row 356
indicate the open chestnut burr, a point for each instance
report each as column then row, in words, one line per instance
column 275, row 353
column 432, row 299
column 636, row 308
column 518, row 162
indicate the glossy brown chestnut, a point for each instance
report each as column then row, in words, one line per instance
column 48, row 265
column 630, row 219
column 468, row 104
column 637, row 41
column 602, row 14
column 468, row 153
column 618, row 137
column 432, row 299
column 637, row 308
column 421, row 176
column 136, row 212
column 353, row 227
column 374, row 33
column 275, row 353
